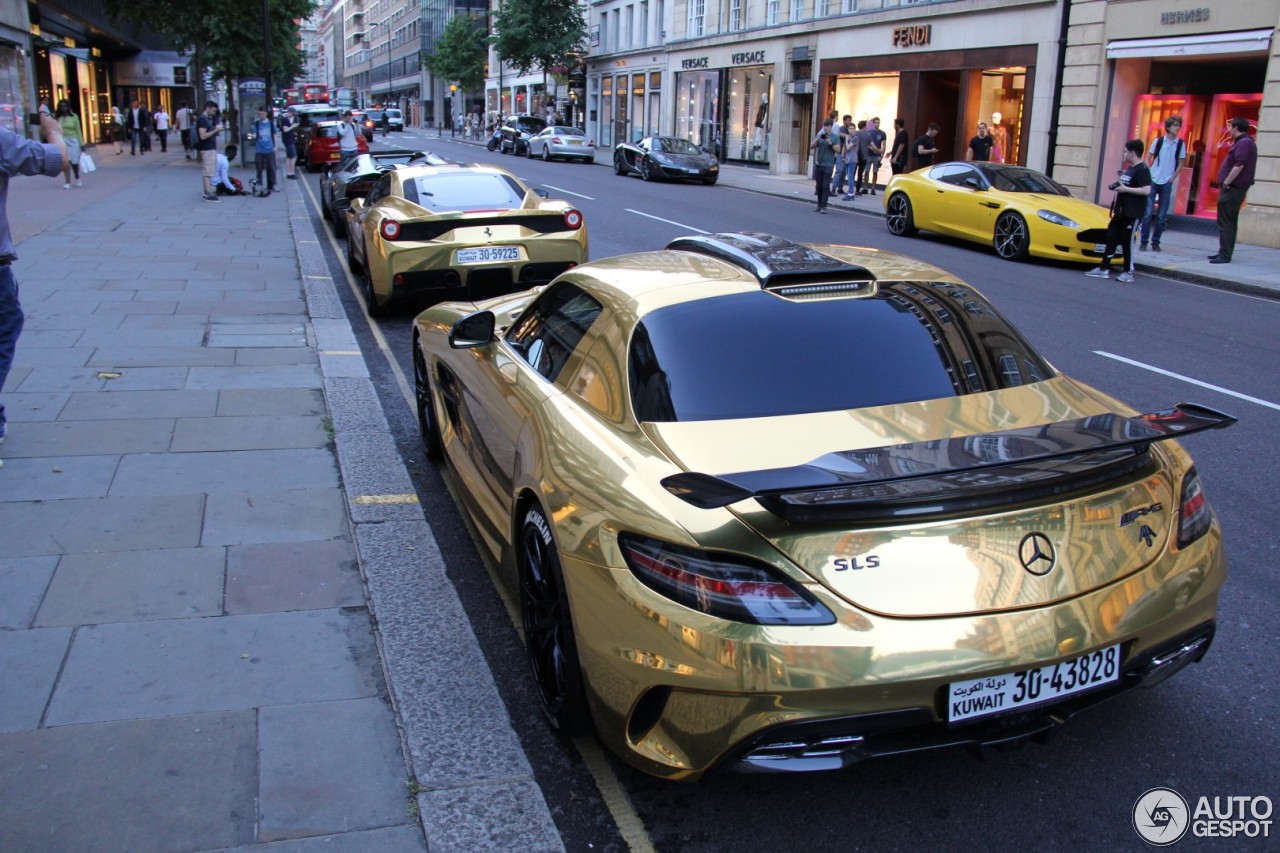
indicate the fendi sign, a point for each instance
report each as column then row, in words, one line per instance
column 917, row 36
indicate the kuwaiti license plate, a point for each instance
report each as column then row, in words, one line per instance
column 486, row 255
column 968, row 700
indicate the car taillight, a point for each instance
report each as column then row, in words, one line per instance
column 390, row 229
column 1194, row 516
column 358, row 190
column 720, row 585
column 591, row 143
column 573, row 218
column 555, row 140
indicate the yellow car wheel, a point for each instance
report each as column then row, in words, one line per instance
column 1012, row 240
column 371, row 298
column 548, row 629
column 899, row 216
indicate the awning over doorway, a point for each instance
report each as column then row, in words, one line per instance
column 1244, row 41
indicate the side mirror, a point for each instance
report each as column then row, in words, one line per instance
column 474, row 330
column 541, row 192
column 974, row 184
column 356, row 205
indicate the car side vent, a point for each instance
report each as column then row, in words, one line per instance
column 781, row 266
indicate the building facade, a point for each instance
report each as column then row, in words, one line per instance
column 1130, row 65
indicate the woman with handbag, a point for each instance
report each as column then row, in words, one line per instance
column 117, row 129
column 70, row 124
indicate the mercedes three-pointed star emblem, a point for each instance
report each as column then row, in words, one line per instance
column 1037, row 554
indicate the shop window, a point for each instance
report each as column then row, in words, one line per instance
column 869, row 96
column 1000, row 105
column 1149, row 113
column 747, row 118
column 697, row 103
column 606, row 113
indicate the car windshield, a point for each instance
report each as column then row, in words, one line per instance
column 393, row 114
column 530, row 124
column 464, row 191
column 1014, row 179
column 675, row 145
column 325, row 131
column 752, row 355
column 568, row 131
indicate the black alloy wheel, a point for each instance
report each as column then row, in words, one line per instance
column 619, row 167
column 326, row 212
column 645, row 173
column 1012, row 240
column 428, row 426
column 900, row 219
column 548, row 629
column 370, row 298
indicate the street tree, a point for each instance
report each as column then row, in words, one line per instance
column 460, row 54
column 539, row 34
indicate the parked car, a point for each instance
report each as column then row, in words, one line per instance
column 395, row 118
column 323, row 148
column 568, row 143
column 1017, row 211
column 339, row 186
column 458, row 231
column 733, row 550
column 516, row 132
column 308, row 116
column 667, row 158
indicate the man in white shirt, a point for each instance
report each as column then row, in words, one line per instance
column 1168, row 154
column 348, row 147
column 222, row 184
column 161, row 120
column 184, row 119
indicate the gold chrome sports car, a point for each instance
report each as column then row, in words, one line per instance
column 771, row 506
column 458, row 231
column 1016, row 210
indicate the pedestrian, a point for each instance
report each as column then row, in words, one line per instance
column 925, row 147
column 348, row 146
column 289, row 136
column 844, row 167
column 901, row 144
column 160, row 119
column 825, row 148
column 863, row 138
column 145, row 143
column 20, row 156
column 117, row 129
column 1168, row 154
column 138, row 124
column 1131, row 189
column 69, row 124
column 876, row 139
column 1234, row 179
column 208, row 126
column 264, row 150
column 980, row 146
column 184, row 120
column 223, row 183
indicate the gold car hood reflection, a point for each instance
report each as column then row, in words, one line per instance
column 948, row 567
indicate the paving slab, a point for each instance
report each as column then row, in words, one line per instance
column 396, row 839
column 292, row 576
column 85, row 406
column 23, row 581
column 48, row 357
column 100, row 524
column 34, row 407
column 270, row 356
column 254, row 432
column 275, row 401
column 92, row 438
column 49, row 478
column 357, row 781
column 230, row 471
column 182, row 666
column 133, row 378
column 224, row 378
column 168, row 784
column 116, row 354
column 29, row 662
column 249, row 518
column 132, row 586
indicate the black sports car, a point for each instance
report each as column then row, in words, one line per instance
column 339, row 186
column 667, row 158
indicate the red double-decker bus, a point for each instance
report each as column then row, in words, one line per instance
column 314, row 93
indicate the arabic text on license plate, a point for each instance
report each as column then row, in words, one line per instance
column 967, row 700
column 1100, row 248
column 487, row 254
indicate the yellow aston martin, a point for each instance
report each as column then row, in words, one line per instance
column 458, row 231
column 737, row 545
column 1017, row 211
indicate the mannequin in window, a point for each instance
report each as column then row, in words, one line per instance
column 1001, row 136
column 762, row 122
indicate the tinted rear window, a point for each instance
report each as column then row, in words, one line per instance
column 757, row 355
column 464, row 191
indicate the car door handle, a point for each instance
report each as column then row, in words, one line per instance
column 991, row 204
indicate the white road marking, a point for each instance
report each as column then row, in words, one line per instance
column 1188, row 379
column 668, row 221
column 568, row 192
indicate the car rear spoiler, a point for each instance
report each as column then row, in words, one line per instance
column 917, row 478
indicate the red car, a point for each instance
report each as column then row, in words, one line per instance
column 322, row 146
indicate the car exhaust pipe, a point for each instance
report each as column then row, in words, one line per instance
column 1166, row 664
column 452, row 279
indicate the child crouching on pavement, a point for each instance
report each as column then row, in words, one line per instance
column 223, row 184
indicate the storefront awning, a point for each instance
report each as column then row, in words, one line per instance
column 1245, row 41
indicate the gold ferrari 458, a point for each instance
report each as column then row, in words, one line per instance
column 1017, row 211
column 776, row 506
column 458, row 231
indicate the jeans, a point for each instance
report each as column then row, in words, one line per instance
column 1158, row 209
column 268, row 162
column 11, row 318
column 1230, row 200
column 822, row 179
column 844, row 176
column 164, row 139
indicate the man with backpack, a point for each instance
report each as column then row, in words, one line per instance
column 1168, row 155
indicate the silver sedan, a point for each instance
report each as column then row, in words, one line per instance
column 568, row 143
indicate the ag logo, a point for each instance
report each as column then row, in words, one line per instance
column 1161, row 817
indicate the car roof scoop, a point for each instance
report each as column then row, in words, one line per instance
column 781, row 266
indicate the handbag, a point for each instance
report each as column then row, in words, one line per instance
column 86, row 163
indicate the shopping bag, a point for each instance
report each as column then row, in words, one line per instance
column 86, row 162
